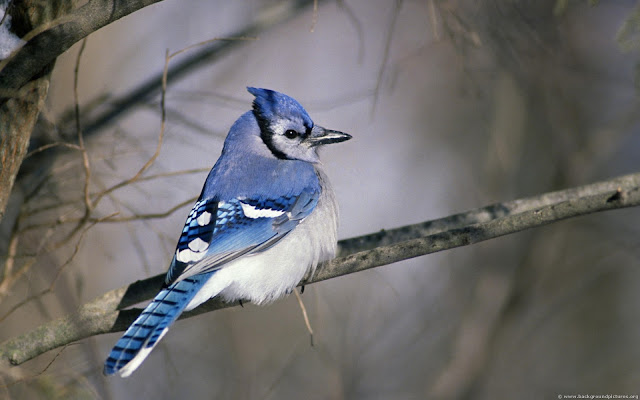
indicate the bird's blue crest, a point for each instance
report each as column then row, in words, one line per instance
column 269, row 104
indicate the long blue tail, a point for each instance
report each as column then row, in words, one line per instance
column 147, row 330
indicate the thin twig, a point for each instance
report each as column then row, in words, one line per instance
column 304, row 314
column 174, row 173
column 164, row 214
column 9, row 280
column 314, row 19
column 434, row 20
column 6, row 9
column 51, row 145
column 165, row 72
column 85, row 157
column 28, row 378
column 88, row 205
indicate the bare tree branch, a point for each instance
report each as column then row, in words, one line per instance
column 59, row 35
column 105, row 314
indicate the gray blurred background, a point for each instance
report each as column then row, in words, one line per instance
column 452, row 105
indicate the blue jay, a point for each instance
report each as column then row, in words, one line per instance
column 265, row 217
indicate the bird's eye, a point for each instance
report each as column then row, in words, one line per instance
column 290, row 134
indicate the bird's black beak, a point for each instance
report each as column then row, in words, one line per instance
column 321, row 136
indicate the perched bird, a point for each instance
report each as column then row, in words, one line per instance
column 265, row 217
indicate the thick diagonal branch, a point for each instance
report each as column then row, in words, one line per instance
column 105, row 314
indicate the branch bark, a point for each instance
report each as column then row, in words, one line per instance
column 105, row 314
column 59, row 34
column 17, row 118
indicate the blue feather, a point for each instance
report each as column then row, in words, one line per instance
column 230, row 233
column 150, row 325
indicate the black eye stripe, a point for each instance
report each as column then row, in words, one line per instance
column 267, row 138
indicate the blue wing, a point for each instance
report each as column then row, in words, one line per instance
column 217, row 232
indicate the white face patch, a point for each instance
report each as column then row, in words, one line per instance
column 187, row 255
column 253, row 212
column 294, row 149
column 204, row 218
